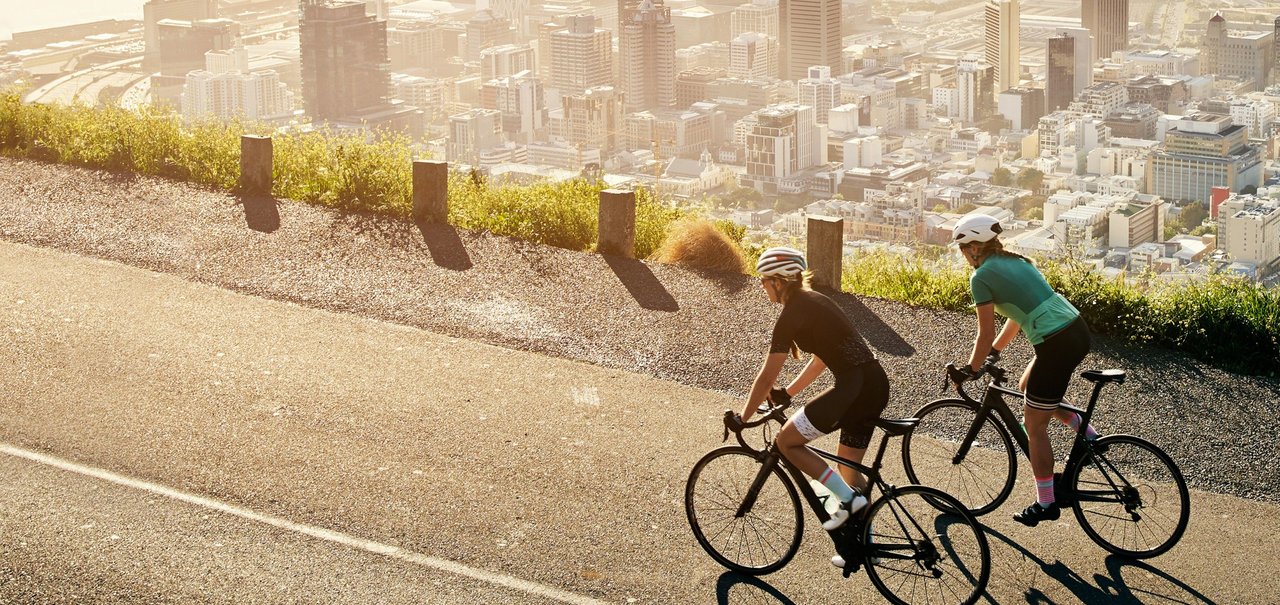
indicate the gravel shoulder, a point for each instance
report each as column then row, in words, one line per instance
column 705, row 330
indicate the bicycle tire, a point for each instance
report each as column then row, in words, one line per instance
column 905, row 527
column 1150, row 488
column 984, row 479
column 716, row 488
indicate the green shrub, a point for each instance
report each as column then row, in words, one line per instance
column 911, row 279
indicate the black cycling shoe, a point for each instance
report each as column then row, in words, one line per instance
column 1034, row 514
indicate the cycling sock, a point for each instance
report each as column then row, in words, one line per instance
column 1044, row 491
column 1074, row 423
column 834, row 482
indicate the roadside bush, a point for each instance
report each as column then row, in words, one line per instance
column 698, row 243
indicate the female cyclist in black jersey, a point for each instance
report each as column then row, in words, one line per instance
column 1008, row 284
column 813, row 323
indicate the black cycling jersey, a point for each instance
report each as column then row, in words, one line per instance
column 816, row 325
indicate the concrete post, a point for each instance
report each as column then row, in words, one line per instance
column 430, row 191
column 617, row 223
column 826, row 250
column 255, row 165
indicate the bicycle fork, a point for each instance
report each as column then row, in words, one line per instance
column 767, row 464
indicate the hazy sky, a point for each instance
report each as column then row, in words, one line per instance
column 23, row 15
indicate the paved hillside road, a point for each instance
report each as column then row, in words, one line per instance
column 164, row 441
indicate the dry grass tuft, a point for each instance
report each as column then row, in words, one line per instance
column 697, row 243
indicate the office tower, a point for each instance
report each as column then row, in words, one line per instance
column 783, row 141
column 414, row 44
column 485, row 29
column 1022, row 106
column 581, row 55
column 505, row 60
column 226, row 89
column 752, row 56
column 1084, row 45
column 1200, row 152
column 1100, row 100
column 694, row 85
column 1108, row 21
column 1275, row 52
column 810, row 35
column 181, row 45
column 1246, row 56
column 975, row 89
column 520, row 98
column 472, row 132
column 760, row 16
column 647, row 57
column 155, row 11
column 1060, row 72
column 592, row 119
column 344, row 57
column 1001, row 42
column 819, row 91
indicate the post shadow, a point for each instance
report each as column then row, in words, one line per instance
column 879, row 334
column 643, row 285
column 1110, row 590
column 261, row 212
column 446, row 248
column 760, row 590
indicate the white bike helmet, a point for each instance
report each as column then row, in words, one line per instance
column 976, row 228
column 781, row 262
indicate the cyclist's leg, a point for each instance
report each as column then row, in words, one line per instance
column 859, row 422
column 1047, row 377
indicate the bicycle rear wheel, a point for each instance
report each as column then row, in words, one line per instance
column 1130, row 497
column 983, row 480
column 762, row 539
column 920, row 553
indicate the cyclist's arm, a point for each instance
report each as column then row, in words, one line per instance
column 811, row 371
column 986, row 335
column 1007, row 334
column 764, row 381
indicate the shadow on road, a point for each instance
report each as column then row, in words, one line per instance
column 445, row 246
column 261, row 212
column 733, row 588
column 1154, row 585
column 879, row 335
column 641, row 283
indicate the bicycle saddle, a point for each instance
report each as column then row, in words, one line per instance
column 897, row 427
column 1113, row 375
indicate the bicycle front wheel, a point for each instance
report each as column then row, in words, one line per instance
column 920, row 552
column 1130, row 497
column 984, row 478
column 751, row 533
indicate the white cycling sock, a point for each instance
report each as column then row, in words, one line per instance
column 834, row 482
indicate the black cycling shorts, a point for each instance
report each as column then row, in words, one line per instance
column 1055, row 362
column 852, row 405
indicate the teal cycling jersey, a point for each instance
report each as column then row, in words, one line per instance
column 1020, row 293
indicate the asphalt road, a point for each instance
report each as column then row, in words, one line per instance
column 262, row 451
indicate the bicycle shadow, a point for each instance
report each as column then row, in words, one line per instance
column 1156, row 587
column 750, row 590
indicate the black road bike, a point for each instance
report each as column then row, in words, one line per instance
column 918, row 544
column 1127, row 494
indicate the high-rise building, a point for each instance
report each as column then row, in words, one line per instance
column 590, row 119
column 155, row 11
column 180, row 49
column 1001, row 42
column 1108, row 20
column 810, row 35
column 1100, row 99
column 485, row 30
column 520, row 99
column 1255, row 115
column 759, row 16
column 1250, row 229
column 1083, row 52
column 1247, row 56
column 975, row 89
column 226, row 89
column 581, row 55
column 1022, row 106
column 414, row 44
column 752, row 55
column 647, row 57
column 1134, row 121
column 1200, row 152
column 1060, row 72
column 694, row 85
column 784, row 140
column 819, row 91
column 472, row 132
column 344, row 59
column 506, row 60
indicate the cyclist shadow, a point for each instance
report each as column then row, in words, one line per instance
column 1157, row 586
column 733, row 588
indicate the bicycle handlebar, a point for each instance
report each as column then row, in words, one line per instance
column 780, row 401
column 957, row 375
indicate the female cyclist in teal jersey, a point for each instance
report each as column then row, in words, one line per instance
column 1009, row 284
column 812, row 322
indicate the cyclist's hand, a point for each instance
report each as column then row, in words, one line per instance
column 732, row 422
column 993, row 357
column 960, row 372
column 779, row 397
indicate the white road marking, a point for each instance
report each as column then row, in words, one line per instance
column 395, row 552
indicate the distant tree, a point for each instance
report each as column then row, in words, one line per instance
column 1193, row 215
column 1249, row 190
column 1025, row 205
column 967, row 208
column 1035, row 213
column 1030, row 178
column 940, row 208
column 1002, row 177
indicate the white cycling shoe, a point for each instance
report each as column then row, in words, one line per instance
column 845, row 511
